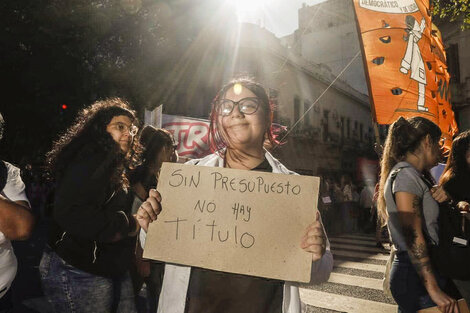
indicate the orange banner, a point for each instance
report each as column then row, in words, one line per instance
column 404, row 62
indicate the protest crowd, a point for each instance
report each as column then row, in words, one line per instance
column 94, row 209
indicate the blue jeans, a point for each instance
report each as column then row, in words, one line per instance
column 70, row 290
column 407, row 289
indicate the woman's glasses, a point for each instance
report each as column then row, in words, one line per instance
column 246, row 106
column 123, row 128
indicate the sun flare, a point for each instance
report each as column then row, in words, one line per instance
column 248, row 9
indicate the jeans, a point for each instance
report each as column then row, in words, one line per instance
column 70, row 290
column 407, row 289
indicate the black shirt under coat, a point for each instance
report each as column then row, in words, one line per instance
column 213, row 291
column 91, row 220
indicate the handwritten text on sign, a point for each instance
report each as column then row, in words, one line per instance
column 236, row 221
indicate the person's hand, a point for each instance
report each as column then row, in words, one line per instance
column 463, row 206
column 314, row 240
column 443, row 301
column 439, row 194
column 149, row 210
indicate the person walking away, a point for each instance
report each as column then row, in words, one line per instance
column 347, row 204
column 366, row 204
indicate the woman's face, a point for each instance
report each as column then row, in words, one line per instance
column 122, row 131
column 433, row 152
column 243, row 130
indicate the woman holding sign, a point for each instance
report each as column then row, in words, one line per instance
column 240, row 127
column 85, row 265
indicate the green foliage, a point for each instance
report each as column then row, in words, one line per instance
column 453, row 10
column 78, row 51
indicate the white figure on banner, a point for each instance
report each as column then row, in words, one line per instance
column 412, row 60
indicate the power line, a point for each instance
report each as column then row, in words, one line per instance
column 318, row 99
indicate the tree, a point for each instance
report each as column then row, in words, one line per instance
column 452, row 10
column 74, row 52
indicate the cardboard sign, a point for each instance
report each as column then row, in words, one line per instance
column 236, row 221
column 463, row 308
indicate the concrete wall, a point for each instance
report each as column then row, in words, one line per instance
column 329, row 36
column 460, row 90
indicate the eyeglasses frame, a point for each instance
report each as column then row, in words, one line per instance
column 237, row 103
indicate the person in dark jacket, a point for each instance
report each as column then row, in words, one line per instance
column 85, row 266
column 456, row 182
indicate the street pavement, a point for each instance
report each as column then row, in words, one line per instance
column 355, row 285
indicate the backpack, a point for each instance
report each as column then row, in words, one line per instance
column 3, row 175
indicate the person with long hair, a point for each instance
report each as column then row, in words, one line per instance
column 406, row 204
column 240, row 126
column 158, row 146
column 456, row 182
column 85, row 265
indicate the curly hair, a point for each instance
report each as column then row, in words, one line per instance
column 217, row 141
column 88, row 135
column 152, row 140
column 457, row 163
column 404, row 135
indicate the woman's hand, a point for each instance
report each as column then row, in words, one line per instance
column 314, row 240
column 149, row 210
column 443, row 301
column 439, row 194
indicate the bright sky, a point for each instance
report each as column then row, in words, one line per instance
column 278, row 16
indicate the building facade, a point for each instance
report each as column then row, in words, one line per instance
column 328, row 35
column 457, row 44
column 328, row 121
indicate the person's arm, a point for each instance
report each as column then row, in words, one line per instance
column 410, row 215
column 16, row 219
